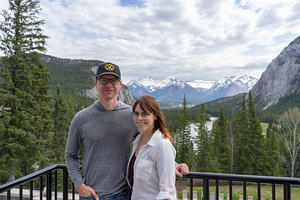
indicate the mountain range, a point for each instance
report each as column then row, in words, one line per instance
column 172, row 89
column 279, row 84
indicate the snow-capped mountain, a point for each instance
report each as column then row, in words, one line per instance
column 175, row 90
column 231, row 86
column 200, row 84
column 244, row 81
column 148, row 83
column 171, row 81
column 171, row 89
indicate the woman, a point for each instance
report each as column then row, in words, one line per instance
column 152, row 162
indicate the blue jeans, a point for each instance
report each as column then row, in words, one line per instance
column 120, row 196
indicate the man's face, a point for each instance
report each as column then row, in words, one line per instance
column 108, row 86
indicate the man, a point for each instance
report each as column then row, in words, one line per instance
column 105, row 130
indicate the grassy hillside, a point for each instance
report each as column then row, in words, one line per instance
column 229, row 104
column 284, row 103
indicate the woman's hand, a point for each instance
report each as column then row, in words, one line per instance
column 181, row 169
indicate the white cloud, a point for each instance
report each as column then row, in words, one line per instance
column 189, row 39
column 3, row 6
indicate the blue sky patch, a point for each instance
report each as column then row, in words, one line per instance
column 132, row 3
column 286, row 37
column 255, row 49
column 238, row 2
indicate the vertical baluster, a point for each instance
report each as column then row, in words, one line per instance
column 21, row 192
column 41, row 187
column 230, row 190
column 8, row 195
column 205, row 189
column 191, row 188
column 31, row 190
column 273, row 191
column 287, row 191
column 49, row 186
column 245, row 190
column 55, row 185
column 258, row 191
column 73, row 192
column 217, row 189
column 65, row 184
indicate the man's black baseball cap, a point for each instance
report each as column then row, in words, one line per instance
column 108, row 68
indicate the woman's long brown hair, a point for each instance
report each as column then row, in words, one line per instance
column 148, row 103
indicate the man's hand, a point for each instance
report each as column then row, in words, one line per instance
column 86, row 191
column 181, row 169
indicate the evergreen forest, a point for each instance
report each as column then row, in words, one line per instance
column 34, row 114
column 237, row 142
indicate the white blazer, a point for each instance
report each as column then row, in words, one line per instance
column 154, row 169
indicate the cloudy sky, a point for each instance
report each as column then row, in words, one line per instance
column 187, row 39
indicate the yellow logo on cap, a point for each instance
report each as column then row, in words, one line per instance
column 109, row 67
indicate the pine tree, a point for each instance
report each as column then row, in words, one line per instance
column 257, row 141
column 221, row 142
column 242, row 152
column 24, row 101
column 184, row 144
column 61, row 116
column 201, row 141
column 205, row 158
column 231, row 144
column 272, row 149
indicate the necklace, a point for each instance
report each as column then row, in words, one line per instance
column 142, row 142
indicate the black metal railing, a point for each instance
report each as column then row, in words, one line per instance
column 50, row 174
column 285, row 182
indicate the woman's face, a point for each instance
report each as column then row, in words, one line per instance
column 144, row 120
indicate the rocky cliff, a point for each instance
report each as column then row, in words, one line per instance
column 124, row 95
column 281, row 78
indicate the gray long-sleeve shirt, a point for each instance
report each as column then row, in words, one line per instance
column 105, row 137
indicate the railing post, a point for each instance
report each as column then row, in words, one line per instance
column 217, row 189
column 49, row 186
column 191, row 188
column 230, row 190
column 287, row 191
column 273, row 192
column 205, row 189
column 21, row 192
column 8, row 194
column 65, row 184
column 41, row 187
column 73, row 191
column 31, row 190
column 55, row 185
column 245, row 190
column 258, row 191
